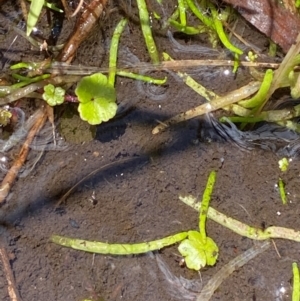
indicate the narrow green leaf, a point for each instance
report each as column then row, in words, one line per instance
column 34, row 13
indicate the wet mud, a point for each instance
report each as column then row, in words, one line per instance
column 134, row 196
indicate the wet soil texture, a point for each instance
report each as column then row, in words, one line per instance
column 134, row 195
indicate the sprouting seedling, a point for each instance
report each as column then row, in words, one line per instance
column 53, row 95
column 96, row 93
column 35, row 11
column 196, row 247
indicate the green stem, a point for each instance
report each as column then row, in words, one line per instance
column 182, row 13
column 296, row 283
column 117, row 249
column 189, row 81
column 113, row 52
column 241, row 228
column 141, row 77
column 147, row 33
column 261, row 94
column 205, row 20
column 282, row 191
column 205, row 204
column 220, row 31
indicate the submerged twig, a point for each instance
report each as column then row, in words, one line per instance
column 41, row 117
column 229, row 268
column 218, row 103
column 11, row 287
column 65, row 196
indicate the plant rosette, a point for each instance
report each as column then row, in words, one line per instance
column 97, row 99
column 198, row 253
column 53, row 95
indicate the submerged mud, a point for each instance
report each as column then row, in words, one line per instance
column 130, row 194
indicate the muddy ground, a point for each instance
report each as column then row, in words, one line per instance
column 134, row 195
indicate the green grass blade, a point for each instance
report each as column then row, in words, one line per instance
column 34, row 13
column 147, row 33
column 113, row 52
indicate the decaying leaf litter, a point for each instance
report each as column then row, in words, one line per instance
column 284, row 117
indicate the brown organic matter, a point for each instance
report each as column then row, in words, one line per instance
column 271, row 18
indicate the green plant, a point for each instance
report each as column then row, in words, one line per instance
column 97, row 99
column 196, row 247
column 53, row 95
column 35, row 11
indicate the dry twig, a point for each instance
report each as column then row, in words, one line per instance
column 11, row 175
column 11, row 287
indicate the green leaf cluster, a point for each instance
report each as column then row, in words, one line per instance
column 53, row 95
column 198, row 252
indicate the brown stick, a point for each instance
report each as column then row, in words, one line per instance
column 83, row 27
column 11, row 175
column 12, row 290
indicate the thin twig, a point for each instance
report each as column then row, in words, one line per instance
column 11, row 175
column 65, row 196
column 77, row 9
column 11, row 287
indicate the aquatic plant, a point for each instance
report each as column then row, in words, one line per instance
column 53, row 95
column 196, row 247
column 97, row 99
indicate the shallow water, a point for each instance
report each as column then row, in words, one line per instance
column 134, row 198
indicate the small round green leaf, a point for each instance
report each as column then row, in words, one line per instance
column 53, row 95
column 97, row 111
column 194, row 256
column 97, row 99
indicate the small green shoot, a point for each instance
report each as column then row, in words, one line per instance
column 97, row 99
column 283, row 164
column 53, row 95
column 281, row 187
column 198, row 249
column 147, row 33
column 296, row 283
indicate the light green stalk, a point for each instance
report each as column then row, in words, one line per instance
column 261, row 94
column 296, row 282
column 282, row 191
column 147, row 33
column 241, row 228
column 117, row 249
column 205, row 204
column 113, row 52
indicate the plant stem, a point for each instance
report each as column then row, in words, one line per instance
column 113, row 52
column 147, row 33
column 241, row 228
column 205, row 204
column 118, row 249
